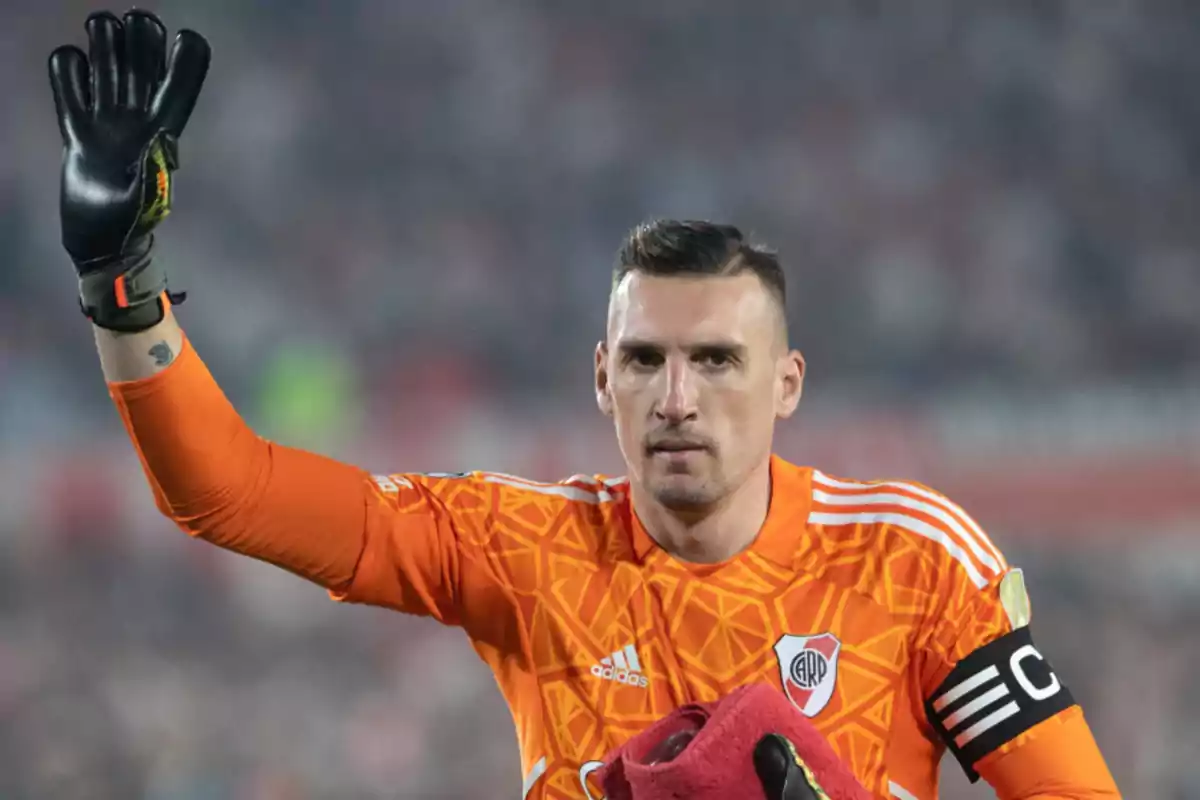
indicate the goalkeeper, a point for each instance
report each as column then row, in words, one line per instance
column 880, row 610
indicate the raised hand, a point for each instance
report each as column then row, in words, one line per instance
column 121, row 110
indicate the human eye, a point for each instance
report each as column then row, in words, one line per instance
column 717, row 359
column 643, row 358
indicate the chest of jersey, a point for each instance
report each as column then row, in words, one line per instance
column 619, row 650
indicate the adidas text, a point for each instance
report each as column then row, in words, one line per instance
column 620, row 675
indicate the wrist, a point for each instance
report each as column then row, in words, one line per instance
column 127, row 293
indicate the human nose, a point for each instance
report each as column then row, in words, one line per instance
column 678, row 402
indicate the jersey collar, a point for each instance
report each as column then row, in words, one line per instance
column 782, row 533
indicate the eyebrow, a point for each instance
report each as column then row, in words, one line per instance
column 710, row 345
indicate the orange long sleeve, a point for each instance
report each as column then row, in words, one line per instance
column 215, row 478
column 1056, row 760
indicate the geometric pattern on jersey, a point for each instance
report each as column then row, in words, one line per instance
column 549, row 580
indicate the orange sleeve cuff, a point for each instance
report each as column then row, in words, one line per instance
column 1057, row 758
column 215, row 478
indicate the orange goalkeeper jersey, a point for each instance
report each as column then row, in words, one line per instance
column 881, row 609
column 856, row 600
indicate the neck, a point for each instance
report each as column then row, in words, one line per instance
column 712, row 535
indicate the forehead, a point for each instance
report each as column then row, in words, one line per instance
column 681, row 309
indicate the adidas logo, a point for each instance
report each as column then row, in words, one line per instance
column 623, row 666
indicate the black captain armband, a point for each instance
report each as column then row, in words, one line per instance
column 996, row 693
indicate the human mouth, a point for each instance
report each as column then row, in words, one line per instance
column 678, row 458
column 676, row 447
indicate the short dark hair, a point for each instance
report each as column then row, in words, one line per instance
column 666, row 247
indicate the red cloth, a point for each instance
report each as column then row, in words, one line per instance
column 717, row 758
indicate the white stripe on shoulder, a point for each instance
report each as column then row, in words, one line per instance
column 917, row 526
column 977, row 540
column 899, row 792
column 889, row 499
column 577, row 493
column 535, row 772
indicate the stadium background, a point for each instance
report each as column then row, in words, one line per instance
column 396, row 221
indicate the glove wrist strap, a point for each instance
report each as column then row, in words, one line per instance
column 129, row 293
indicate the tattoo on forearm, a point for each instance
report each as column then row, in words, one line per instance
column 162, row 354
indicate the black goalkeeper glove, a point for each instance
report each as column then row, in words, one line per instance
column 783, row 773
column 121, row 110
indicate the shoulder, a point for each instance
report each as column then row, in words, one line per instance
column 486, row 503
column 512, row 516
column 921, row 538
column 587, row 489
column 568, row 493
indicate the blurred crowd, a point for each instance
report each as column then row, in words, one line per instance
column 396, row 223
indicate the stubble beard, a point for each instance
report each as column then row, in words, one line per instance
column 692, row 496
